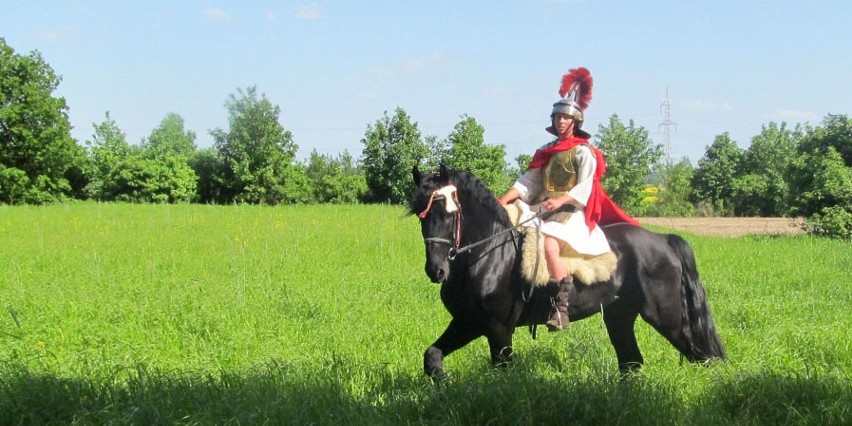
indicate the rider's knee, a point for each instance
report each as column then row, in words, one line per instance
column 551, row 247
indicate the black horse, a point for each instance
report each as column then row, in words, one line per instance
column 477, row 262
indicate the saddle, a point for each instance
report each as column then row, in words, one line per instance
column 586, row 269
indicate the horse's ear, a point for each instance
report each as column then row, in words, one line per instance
column 415, row 173
column 446, row 174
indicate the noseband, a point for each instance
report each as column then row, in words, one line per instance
column 449, row 194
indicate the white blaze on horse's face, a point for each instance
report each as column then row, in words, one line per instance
column 448, row 192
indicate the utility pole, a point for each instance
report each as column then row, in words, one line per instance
column 667, row 125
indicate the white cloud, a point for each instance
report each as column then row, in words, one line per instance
column 269, row 15
column 495, row 91
column 61, row 35
column 708, row 106
column 550, row 2
column 309, row 12
column 367, row 96
column 411, row 66
column 382, row 72
column 793, row 115
column 217, row 14
column 424, row 63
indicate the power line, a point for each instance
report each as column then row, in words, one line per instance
column 667, row 124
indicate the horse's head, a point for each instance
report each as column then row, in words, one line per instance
column 435, row 202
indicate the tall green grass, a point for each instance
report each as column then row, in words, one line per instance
column 190, row 314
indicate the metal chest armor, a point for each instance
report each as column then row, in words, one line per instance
column 560, row 174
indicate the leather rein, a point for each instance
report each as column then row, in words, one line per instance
column 449, row 195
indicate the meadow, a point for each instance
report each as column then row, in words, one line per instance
column 194, row 314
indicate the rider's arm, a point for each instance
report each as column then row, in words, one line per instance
column 530, row 185
column 510, row 196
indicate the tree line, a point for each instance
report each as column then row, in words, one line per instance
column 799, row 171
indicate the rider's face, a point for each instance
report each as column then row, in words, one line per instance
column 564, row 125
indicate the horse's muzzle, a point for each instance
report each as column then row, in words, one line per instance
column 437, row 274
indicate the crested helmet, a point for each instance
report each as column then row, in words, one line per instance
column 576, row 92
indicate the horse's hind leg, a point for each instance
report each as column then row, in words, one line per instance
column 455, row 336
column 665, row 314
column 668, row 322
column 619, row 322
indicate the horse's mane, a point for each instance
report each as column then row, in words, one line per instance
column 480, row 192
column 467, row 183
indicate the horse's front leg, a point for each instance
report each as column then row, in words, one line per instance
column 499, row 342
column 457, row 335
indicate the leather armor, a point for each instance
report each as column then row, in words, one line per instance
column 560, row 174
column 559, row 177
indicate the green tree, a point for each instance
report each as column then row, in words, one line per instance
column 392, row 147
column 835, row 131
column 335, row 180
column 468, row 151
column 39, row 160
column 820, row 181
column 210, row 170
column 437, row 152
column 513, row 172
column 823, row 192
column 630, row 157
column 675, row 190
column 159, row 180
column 119, row 171
column 166, row 174
column 713, row 181
column 761, row 187
column 170, row 138
column 258, row 153
column 820, row 178
column 109, row 154
column 522, row 162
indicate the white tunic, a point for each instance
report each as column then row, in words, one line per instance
column 574, row 231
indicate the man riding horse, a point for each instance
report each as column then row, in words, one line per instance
column 567, row 171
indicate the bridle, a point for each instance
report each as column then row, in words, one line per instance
column 449, row 194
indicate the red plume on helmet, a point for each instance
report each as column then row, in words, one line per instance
column 582, row 78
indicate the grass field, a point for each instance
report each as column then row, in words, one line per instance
column 190, row 314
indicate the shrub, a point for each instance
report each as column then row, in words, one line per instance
column 834, row 221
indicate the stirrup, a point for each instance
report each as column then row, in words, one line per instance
column 555, row 323
column 559, row 318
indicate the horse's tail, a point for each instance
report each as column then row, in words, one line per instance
column 698, row 325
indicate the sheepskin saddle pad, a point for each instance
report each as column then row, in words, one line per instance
column 585, row 269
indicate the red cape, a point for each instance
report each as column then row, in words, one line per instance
column 600, row 209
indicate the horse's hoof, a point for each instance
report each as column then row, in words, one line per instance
column 438, row 377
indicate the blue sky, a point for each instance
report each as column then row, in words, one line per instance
column 334, row 67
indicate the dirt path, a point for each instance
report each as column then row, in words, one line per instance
column 728, row 226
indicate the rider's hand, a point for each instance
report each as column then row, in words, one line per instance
column 507, row 198
column 552, row 203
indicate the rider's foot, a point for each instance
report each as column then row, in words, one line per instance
column 559, row 316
